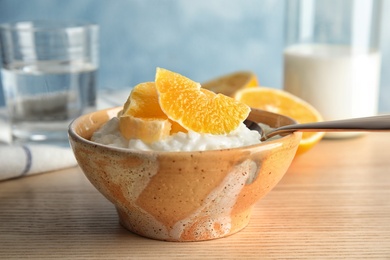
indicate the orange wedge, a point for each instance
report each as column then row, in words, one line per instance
column 143, row 102
column 282, row 102
column 147, row 129
column 228, row 84
column 142, row 117
column 197, row 109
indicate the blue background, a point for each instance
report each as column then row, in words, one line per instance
column 200, row 39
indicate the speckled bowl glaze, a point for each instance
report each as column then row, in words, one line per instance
column 183, row 196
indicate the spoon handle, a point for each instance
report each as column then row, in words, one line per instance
column 364, row 124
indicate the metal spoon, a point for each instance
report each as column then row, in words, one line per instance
column 364, row 124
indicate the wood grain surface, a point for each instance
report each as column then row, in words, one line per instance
column 334, row 202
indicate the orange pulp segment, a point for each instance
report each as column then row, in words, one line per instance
column 147, row 129
column 282, row 102
column 142, row 117
column 143, row 102
column 197, row 109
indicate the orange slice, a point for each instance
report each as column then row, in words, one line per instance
column 147, row 129
column 197, row 109
column 143, row 102
column 228, row 84
column 142, row 117
column 282, row 102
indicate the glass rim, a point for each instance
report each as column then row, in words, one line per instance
column 46, row 25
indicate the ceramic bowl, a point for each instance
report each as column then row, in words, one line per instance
column 183, row 196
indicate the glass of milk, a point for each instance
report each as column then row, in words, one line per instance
column 332, row 58
column 48, row 74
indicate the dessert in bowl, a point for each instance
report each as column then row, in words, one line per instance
column 189, row 195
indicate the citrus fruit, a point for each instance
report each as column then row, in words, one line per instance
column 282, row 102
column 142, row 117
column 143, row 102
column 195, row 108
column 228, row 84
column 147, row 129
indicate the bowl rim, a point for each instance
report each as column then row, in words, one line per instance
column 72, row 134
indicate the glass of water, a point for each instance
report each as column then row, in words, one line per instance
column 49, row 76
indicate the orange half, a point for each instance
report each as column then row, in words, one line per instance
column 228, row 84
column 282, row 102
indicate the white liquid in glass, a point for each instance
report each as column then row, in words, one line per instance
column 339, row 81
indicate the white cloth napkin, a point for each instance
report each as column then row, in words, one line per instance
column 23, row 160
column 28, row 159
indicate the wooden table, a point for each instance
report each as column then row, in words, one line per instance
column 334, row 202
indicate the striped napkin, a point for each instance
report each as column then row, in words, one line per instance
column 28, row 159
column 23, row 160
column 18, row 161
